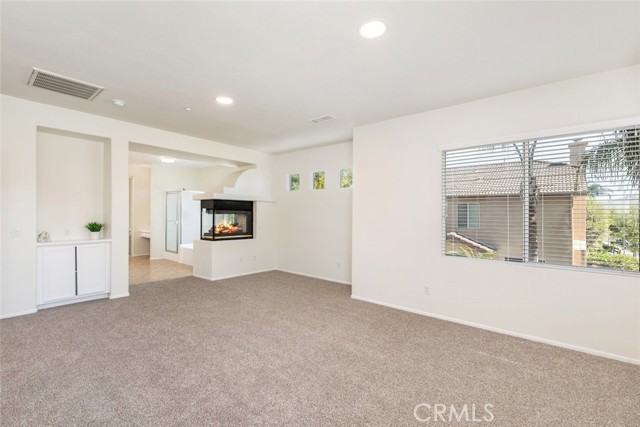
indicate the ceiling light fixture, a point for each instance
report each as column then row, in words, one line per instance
column 118, row 103
column 224, row 100
column 373, row 29
column 167, row 160
column 187, row 109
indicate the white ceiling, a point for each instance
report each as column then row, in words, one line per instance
column 285, row 63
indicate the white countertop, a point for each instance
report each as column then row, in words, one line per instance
column 72, row 242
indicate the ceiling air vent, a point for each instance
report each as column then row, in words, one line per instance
column 57, row 83
column 322, row 119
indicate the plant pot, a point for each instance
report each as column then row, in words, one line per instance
column 95, row 235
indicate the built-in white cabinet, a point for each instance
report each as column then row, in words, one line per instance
column 72, row 272
column 56, row 273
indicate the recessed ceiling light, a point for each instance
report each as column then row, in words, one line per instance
column 224, row 100
column 167, row 160
column 373, row 29
column 187, row 109
column 118, row 103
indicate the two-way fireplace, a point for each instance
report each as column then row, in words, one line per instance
column 226, row 219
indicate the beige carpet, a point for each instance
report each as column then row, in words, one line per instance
column 275, row 349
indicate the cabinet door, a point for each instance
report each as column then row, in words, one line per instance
column 93, row 268
column 56, row 273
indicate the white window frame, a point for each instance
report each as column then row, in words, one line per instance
column 468, row 206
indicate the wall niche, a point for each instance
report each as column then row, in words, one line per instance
column 73, row 183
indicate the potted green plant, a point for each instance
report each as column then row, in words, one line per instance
column 94, row 228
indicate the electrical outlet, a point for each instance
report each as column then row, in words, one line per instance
column 240, row 259
column 339, row 266
column 66, row 232
column 15, row 232
column 427, row 291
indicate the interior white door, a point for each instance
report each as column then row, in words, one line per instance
column 93, row 274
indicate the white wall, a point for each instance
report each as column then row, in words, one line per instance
column 398, row 167
column 2, row 153
column 216, row 179
column 107, row 206
column 249, row 181
column 20, row 121
column 189, row 218
column 141, row 207
column 18, row 293
column 70, row 190
column 314, row 226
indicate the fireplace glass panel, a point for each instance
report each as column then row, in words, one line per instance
column 206, row 221
column 230, row 223
column 226, row 219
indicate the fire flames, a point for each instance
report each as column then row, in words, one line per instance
column 227, row 228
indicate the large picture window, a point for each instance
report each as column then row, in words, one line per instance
column 570, row 200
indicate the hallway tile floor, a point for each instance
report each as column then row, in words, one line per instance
column 144, row 270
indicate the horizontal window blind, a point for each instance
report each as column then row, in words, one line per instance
column 570, row 200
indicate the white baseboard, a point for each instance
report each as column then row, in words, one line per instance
column 19, row 313
column 116, row 296
column 73, row 301
column 231, row 276
column 506, row 332
column 172, row 257
column 328, row 279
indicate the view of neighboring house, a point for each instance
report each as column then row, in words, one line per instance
column 484, row 215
